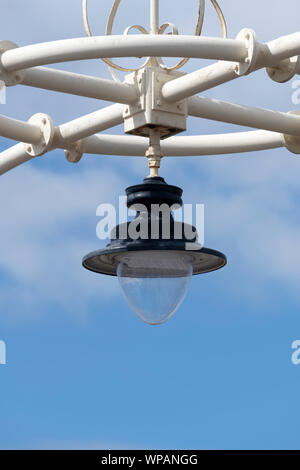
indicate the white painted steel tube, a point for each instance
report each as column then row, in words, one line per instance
column 297, row 71
column 13, row 157
column 66, row 134
column 18, row 130
column 282, row 48
column 220, row 144
column 154, row 16
column 123, row 46
column 185, row 146
column 81, row 85
column 270, row 54
column 244, row 115
column 199, row 81
column 88, row 125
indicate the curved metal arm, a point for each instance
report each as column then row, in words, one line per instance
column 66, row 134
column 78, row 84
column 174, row 147
column 67, row 50
column 200, row 145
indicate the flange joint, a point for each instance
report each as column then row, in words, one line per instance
column 9, row 78
column 248, row 65
column 292, row 142
column 74, row 152
column 45, row 123
column 285, row 70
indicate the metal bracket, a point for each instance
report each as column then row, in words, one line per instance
column 74, row 152
column 292, row 142
column 9, row 78
column 252, row 45
column 151, row 110
column 45, row 123
column 154, row 152
column 284, row 71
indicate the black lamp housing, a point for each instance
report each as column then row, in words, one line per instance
column 154, row 190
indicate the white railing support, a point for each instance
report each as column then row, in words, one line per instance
column 199, row 81
column 123, row 46
column 13, row 157
column 277, row 55
column 248, row 116
column 19, row 130
column 65, row 135
column 186, row 146
column 279, row 49
column 90, row 124
column 174, row 147
column 154, row 16
column 81, row 85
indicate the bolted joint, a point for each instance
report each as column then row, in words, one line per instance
column 285, row 70
column 154, row 153
column 151, row 109
column 292, row 142
column 45, row 123
column 74, row 152
column 249, row 37
column 154, row 165
column 9, row 78
column 154, row 156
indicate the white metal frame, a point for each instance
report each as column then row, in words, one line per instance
column 235, row 57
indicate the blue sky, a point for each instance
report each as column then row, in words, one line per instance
column 82, row 370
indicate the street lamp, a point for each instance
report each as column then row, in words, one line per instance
column 153, row 103
column 155, row 267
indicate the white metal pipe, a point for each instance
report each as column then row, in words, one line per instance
column 282, row 48
column 123, row 46
column 270, row 54
column 66, row 134
column 19, row 130
column 88, row 125
column 199, row 81
column 185, row 146
column 154, row 16
column 13, row 157
column 297, row 70
column 220, row 144
column 81, row 85
column 244, row 115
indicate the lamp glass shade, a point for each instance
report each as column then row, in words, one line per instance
column 154, row 282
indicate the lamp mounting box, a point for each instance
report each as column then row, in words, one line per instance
column 151, row 110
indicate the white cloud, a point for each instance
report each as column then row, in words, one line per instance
column 48, row 223
column 252, row 205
